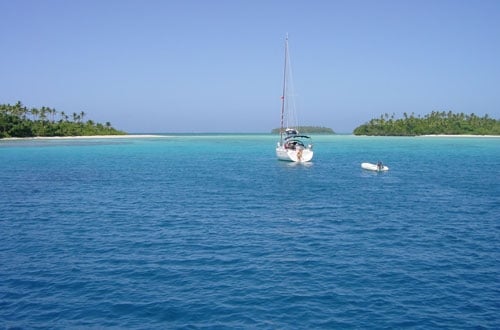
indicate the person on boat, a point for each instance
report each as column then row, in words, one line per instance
column 290, row 145
column 299, row 155
column 380, row 166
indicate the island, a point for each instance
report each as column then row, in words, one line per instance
column 308, row 130
column 20, row 121
column 435, row 123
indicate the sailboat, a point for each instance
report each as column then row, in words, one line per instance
column 292, row 145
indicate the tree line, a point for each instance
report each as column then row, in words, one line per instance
column 20, row 121
column 437, row 122
column 308, row 130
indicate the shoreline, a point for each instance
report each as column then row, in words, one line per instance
column 85, row 137
column 460, row 135
column 152, row 136
column 433, row 135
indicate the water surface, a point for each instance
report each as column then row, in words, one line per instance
column 211, row 231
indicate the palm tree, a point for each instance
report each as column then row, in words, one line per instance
column 18, row 109
column 43, row 114
column 54, row 112
column 35, row 112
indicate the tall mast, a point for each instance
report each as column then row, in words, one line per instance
column 284, row 89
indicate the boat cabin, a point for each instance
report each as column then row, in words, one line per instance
column 295, row 142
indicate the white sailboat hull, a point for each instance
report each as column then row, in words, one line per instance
column 374, row 167
column 294, row 155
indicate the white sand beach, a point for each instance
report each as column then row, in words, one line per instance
column 460, row 136
column 131, row 136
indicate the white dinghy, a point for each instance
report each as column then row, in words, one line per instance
column 379, row 167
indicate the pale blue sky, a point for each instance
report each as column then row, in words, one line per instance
column 216, row 66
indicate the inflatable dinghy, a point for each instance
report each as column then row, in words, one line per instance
column 374, row 167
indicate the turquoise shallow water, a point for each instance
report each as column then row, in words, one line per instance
column 211, row 231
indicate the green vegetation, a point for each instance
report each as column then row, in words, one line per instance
column 19, row 121
column 436, row 122
column 309, row 130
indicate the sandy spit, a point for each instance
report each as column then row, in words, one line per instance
column 132, row 136
column 461, row 135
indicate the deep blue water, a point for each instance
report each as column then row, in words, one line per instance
column 211, row 231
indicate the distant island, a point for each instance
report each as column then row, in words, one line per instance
column 309, row 130
column 19, row 121
column 442, row 123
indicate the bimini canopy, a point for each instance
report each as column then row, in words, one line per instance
column 297, row 137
